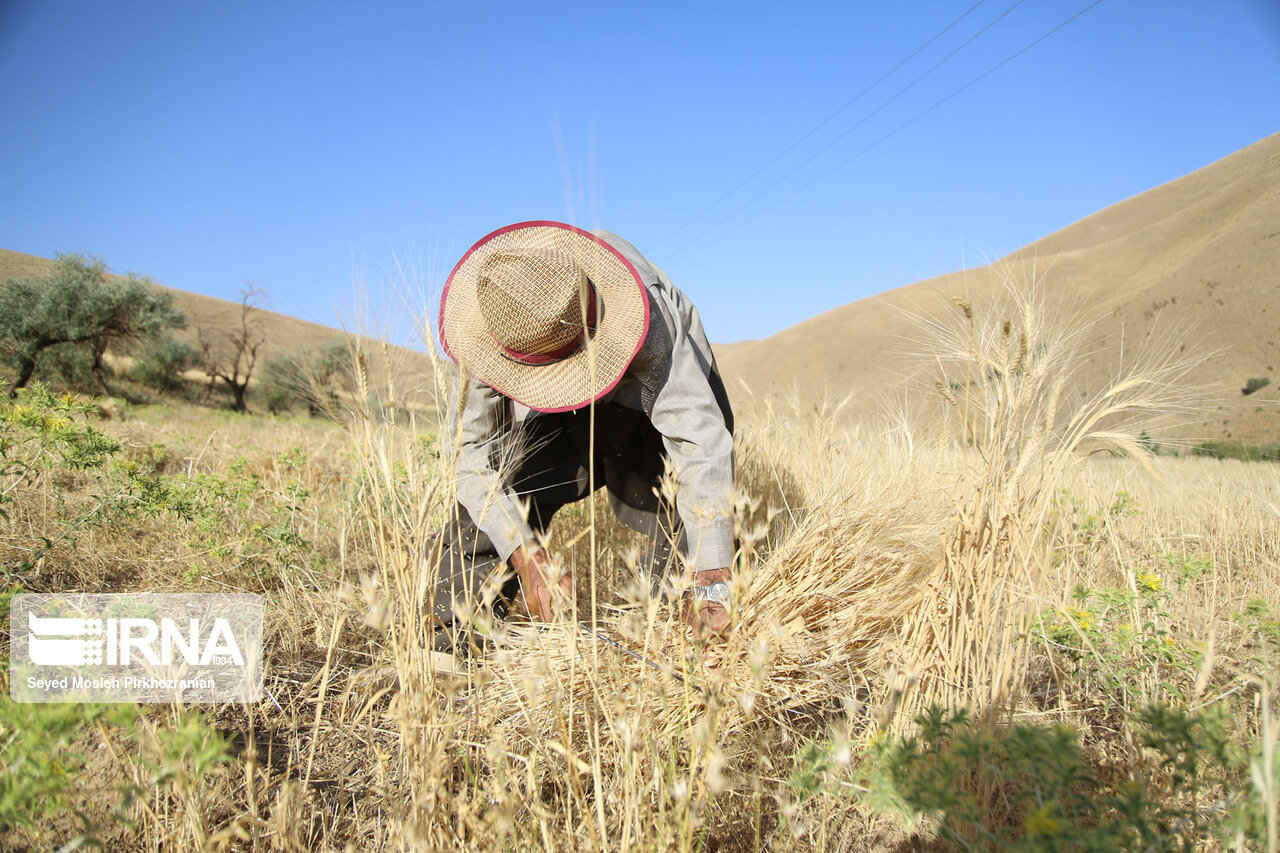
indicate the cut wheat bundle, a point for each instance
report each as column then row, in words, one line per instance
column 813, row 621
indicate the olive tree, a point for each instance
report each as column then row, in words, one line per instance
column 78, row 304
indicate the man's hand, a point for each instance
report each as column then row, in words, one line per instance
column 534, row 567
column 708, row 619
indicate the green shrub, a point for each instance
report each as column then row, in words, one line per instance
column 1027, row 787
column 1255, row 383
column 160, row 366
column 1047, row 794
column 229, row 516
column 1112, row 647
column 40, row 759
column 1239, row 450
column 311, row 377
column 176, row 757
column 40, row 431
column 277, row 398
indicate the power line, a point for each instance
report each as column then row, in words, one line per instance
column 939, row 34
column 851, row 129
column 900, row 127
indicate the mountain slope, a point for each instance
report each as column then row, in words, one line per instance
column 1201, row 252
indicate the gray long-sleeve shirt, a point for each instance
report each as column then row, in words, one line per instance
column 670, row 380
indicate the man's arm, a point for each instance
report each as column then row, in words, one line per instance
column 480, row 450
column 699, row 443
column 700, row 446
column 492, row 506
column 701, row 449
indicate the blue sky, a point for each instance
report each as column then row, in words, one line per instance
column 303, row 146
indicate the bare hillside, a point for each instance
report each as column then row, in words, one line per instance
column 1201, row 252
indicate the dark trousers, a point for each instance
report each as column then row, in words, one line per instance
column 553, row 471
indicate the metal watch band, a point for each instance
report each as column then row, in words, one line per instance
column 717, row 593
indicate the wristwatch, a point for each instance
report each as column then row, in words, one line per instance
column 716, row 593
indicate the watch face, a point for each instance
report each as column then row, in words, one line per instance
column 717, row 592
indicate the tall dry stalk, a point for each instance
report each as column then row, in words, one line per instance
column 1010, row 375
column 403, row 497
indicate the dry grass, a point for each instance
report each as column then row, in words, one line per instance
column 881, row 570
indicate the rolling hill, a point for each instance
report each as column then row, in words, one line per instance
column 1201, row 252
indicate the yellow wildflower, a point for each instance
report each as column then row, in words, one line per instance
column 1083, row 618
column 1150, row 582
column 1042, row 822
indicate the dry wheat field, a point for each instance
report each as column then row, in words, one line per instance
column 1010, row 617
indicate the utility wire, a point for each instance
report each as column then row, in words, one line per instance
column 893, row 132
column 729, row 192
column 859, row 123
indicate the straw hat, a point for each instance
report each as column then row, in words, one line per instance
column 545, row 313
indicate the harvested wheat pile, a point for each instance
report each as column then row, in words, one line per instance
column 813, row 622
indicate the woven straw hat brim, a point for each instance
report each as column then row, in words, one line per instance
column 581, row 378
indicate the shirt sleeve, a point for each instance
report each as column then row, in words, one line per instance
column 494, row 508
column 700, row 446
